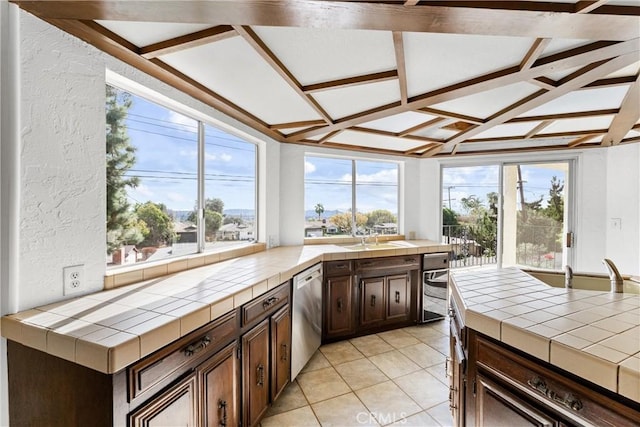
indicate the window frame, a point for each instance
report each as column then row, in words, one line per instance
column 354, row 170
column 202, row 119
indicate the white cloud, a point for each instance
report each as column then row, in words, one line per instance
column 188, row 153
column 209, row 156
column 176, row 197
column 225, row 157
column 309, row 167
column 185, row 123
column 384, row 175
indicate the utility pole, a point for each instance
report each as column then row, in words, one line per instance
column 521, row 188
column 449, row 192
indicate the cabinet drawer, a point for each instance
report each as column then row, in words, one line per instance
column 264, row 304
column 338, row 268
column 172, row 360
column 573, row 400
column 406, row 262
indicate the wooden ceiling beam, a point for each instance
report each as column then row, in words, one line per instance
column 392, row 134
column 451, row 115
column 351, row 81
column 610, row 82
column 300, row 124
column 538, row 128
column 433, row 123
column 398, row 47
column 544, row 83
column 563, row 60
column 555, row 22
column 582, row 140
column 108, row 42
column 586, row 6
column 263, row 50
column 629, row 114
column 328, row 136
column 199, row 38
column 560, row 116
column 534, row 52
column 583, row 76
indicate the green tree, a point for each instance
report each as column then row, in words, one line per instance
column 319, row 210
column 344, row 222
column 122, row 224
column 555, row 207
column 380, row 216
column 213, row 217
column 228, row 219
column 159, row 223
column 471, row 204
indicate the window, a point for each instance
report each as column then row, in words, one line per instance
column 509, row 213
column 158, row 163
column 340, row 192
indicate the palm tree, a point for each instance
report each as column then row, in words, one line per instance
column 319, row 209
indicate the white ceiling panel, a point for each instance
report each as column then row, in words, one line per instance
column 316, row 55
column 484, row 104
column 438, row 60
column 508, row 129
column 583, row 100
column 370, row 140
column 562, row 73
column 145, row 33
column 509, row 145
column 585, row 123
column 350, row 100
column 560, row 45
column 630, row 70
column 399, row 122
column 234, row 70
column 435, row 133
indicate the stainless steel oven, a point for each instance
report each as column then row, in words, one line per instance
column 435, row 283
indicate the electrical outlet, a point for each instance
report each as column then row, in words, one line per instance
column 73, row 279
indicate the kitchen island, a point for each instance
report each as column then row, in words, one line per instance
column 155, row 348
column 540, row 355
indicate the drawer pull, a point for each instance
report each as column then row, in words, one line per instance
column 260, row 375
column 366, row 263
column 569, row 400
column 340, row 266
column 222, row 404
column 198, row 346
column 339, row 305
column 283, row 357
column 397, row 297
column 373, row 300
column 269, row 302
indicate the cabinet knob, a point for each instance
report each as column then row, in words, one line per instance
column 568, row 400
column 397, row 297
column 197, row 346
column 260, row 375
column 222, row 404
column 339, row 303
column 283, row 357
column 373, row 300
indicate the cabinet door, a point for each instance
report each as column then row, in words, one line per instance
column 256, row 372
column 398, row 297
column 280, row 351
column 456, row 371
column 497, row 406
column 175, row 407
column 372, row 309
column 338, row 306
column 219, row 388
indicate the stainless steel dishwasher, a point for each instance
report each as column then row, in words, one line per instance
column 306, row 319
column 435, row 283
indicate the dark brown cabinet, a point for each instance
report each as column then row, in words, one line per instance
column 219, row 388
column 372, row 301
column 369, row 295
column 280, row 351
column 255, row 366
column 176, row 406
column 492, row 384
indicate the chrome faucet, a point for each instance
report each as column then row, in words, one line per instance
column 375, row 236
column 617, row 281
column 363, row 240
column 568, row 277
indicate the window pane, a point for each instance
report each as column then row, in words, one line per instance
column 327, row 196
column 470, row 213
column 377, row 197
column 151, row 179
column 230, row 189
column 534, row 214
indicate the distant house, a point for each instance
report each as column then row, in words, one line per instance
column 186, row 231
column 233, row 231
column 386, row 228
column 127, row 254
column 315, row 228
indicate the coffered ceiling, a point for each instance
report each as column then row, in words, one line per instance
column 412, row 78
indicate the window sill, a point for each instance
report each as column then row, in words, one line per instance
column 138, row 273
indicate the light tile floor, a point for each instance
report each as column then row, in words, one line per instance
column 391, row 378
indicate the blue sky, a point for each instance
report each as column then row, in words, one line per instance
column 166, row 160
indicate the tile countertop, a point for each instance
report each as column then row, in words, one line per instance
column 109, row 330
column 592, row 334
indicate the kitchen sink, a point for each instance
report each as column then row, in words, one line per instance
column 589, row 282
column 370, row 246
